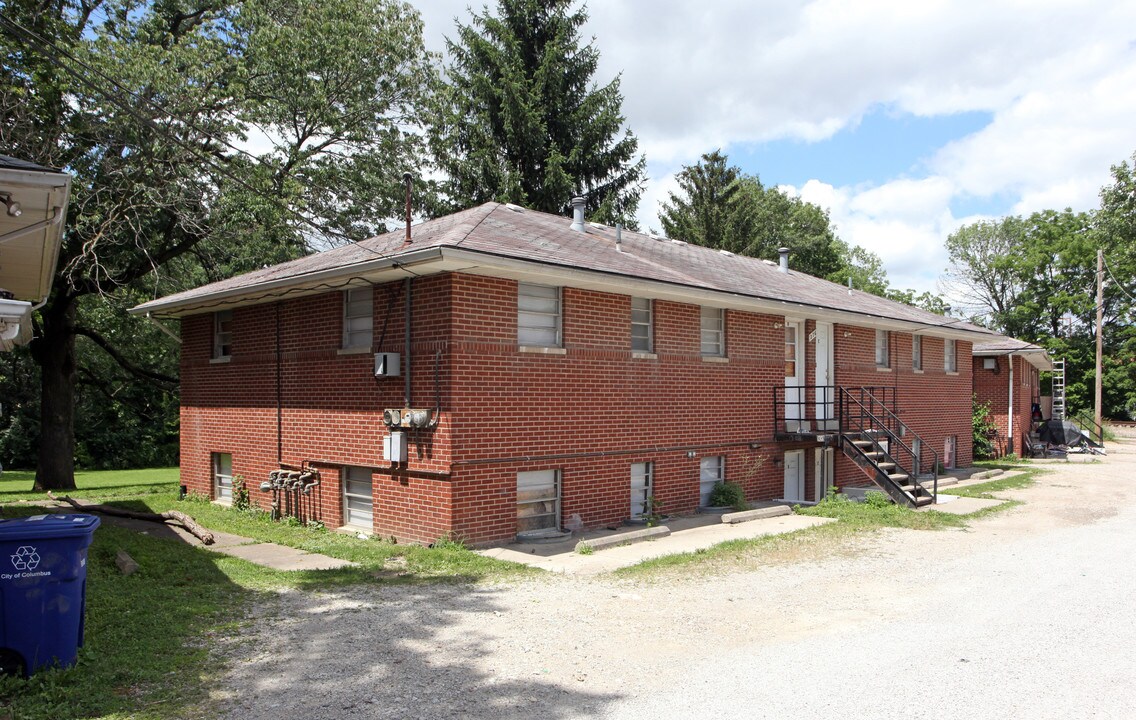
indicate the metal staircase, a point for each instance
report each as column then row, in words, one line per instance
column 1058, row 390
column 874, row 438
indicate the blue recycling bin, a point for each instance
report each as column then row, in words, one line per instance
column 43, row 590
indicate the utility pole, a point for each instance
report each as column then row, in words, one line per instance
column 1100, row 336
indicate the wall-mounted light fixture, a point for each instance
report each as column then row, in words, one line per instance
column 754, row 446
column 777, row 325
column 14, row 208
column 847, row 333
column 691, row 454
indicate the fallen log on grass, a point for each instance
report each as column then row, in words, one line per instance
column 170, row 516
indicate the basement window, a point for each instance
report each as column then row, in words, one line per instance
column 711, row 470
column 357, row 323
column 642, row 318
column 223, row 477
column 222, row 334
column 358, row 502
column 641, row 484
column 538, row 315
column 538, row 500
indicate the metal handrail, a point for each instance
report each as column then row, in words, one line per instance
column 892, row 426
column 1089, row 426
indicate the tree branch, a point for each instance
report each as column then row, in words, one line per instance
column 151, row 376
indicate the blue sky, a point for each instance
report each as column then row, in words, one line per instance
column 904, row 120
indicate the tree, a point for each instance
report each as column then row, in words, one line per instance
column 521, row 120
column 144, row 103
column 719, row 206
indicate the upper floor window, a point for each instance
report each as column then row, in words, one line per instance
column 883, row 355
column 642, row 331
column 357, row 323
column 538, row 315
column 713, row 332
column 222, row 334
column 916, row 352
column 950, row 359
column 791, row 350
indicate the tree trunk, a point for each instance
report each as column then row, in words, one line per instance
column 55, row 353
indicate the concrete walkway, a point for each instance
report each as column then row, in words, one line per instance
column 265, row 554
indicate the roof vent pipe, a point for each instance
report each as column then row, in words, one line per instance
column 784, row 251
column 578, row 214
column 406, row 179
column 619, row 237
column 849, row 284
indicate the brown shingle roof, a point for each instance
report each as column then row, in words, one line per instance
column 505, row 231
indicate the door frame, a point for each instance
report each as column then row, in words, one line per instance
column 794, row 484
column 794, row 384
column 823, row 374
column 824, row 470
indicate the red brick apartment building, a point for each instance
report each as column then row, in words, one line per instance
column 506, row 370
column 1007, row 376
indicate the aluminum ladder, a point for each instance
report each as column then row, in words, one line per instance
column 1058, row 389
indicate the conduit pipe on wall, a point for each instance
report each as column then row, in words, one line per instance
column 406, row 349
column 1010, row 427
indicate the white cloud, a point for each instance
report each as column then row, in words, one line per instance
column 1056, row 75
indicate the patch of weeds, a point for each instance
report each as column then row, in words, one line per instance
column 728, row 494
column 583, row 548
column 986, row 490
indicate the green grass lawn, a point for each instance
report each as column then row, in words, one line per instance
column 94, row 484
column 149, row 635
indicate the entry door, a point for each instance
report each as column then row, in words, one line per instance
column 794, row 374
column 823, row 462
column 823, row 377
column 795, row 475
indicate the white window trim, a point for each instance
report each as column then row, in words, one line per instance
column 883, row 349
column 347, row 496
column 648, row 490
column 719, row 474
column 650, row 324
column 718, row 343
column 222, row 482
column 353, row 339
column 554, row 498
column 558, row 315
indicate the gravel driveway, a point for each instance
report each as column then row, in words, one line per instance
column 1027, row 614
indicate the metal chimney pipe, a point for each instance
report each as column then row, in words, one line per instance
column 784, row 251
column 619, row 237
column 406, row 176
column 578, row 214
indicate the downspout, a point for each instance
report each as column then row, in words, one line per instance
column 1010, row 429
column 406, row 363
column 279, row 396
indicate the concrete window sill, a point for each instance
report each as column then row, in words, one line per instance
column 220, row 360
column 715, row 359
column 353, row 351
column 644, row 356
column 541, row 350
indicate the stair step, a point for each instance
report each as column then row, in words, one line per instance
column 924, row 500
column 886, row 466
column 898, row 476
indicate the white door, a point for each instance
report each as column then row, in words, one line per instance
column 825, row 414
column 795, row 475
column 823, row 461
column 794, row 374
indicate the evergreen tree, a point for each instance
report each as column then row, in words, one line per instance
column 719, row 206
column 521, row 120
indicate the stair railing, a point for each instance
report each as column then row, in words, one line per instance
column 858, row 405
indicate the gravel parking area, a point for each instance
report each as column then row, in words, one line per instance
column 1025, row 614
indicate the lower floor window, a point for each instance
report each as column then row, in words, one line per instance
column 538, row 500
column 357, row 497
column 711, row 470
column 223, row 477
column 640, row 488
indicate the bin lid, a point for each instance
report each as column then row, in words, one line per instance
column 48, row 526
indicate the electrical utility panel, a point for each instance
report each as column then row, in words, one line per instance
column 394, row 447
column 386, row 365
column 406, row 418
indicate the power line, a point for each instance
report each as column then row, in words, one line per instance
column 1117, row 282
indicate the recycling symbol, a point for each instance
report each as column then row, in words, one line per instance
column 26, row 558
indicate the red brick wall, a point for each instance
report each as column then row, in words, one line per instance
column 993, row 387
column 588, row 410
